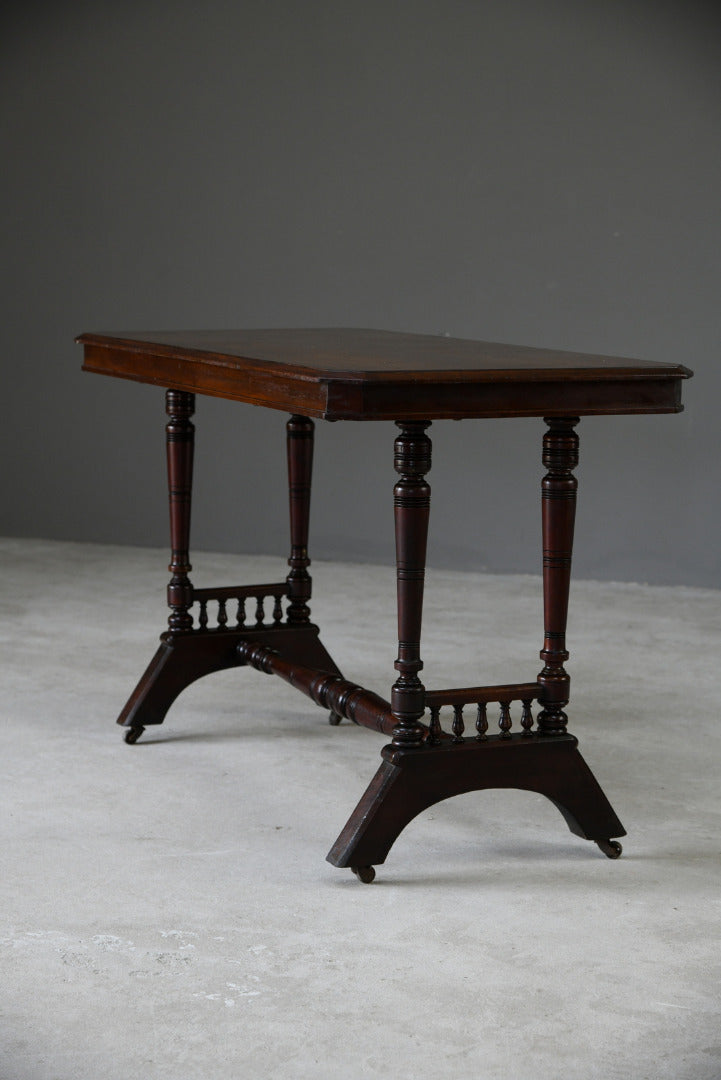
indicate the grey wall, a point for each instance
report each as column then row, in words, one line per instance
column 536, row 171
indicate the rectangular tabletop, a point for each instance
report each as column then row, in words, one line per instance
column 344, row 374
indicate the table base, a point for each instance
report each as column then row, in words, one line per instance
column 234, row 626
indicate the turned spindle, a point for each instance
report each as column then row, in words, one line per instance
column 459, row 725
column 527, row 717
column 481, row 722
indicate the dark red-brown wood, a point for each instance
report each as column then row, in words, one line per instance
column 341, row 374
column 332, row 692
column 181, row 659
column 411, row 379
column 558, row 511
column 197, row 646
column 409, row 782
column 411, row 502
column 180, row 435
column 300, row 466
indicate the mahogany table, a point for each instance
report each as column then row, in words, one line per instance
column 410, row 379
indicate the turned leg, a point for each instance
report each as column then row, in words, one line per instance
column 165, row 678
column 587, row 810
column 180, row 435
column 412, row 500
column 300, row 432
column 300, row 463
column 414, row 774
column 380, row 814
column 141, row 708
column 560, row 456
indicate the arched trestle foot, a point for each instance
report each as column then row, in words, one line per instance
column 610, row 848
column 183, row 658
column 366, row 874
column 410, row 781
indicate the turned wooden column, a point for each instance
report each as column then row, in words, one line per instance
column 300, row 464
column 412, row 500
column 558, row 501
column 179, row 435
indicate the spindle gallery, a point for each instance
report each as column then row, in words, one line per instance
column 442, row 742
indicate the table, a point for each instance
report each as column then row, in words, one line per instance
column 440, row 743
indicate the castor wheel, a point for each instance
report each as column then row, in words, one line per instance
column 132, row 734
column 335, row 719
column 364, row 873
column 611, row 848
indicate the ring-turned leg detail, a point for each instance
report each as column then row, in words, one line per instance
column 300, row 434
column 412, row 501
column 180, row 439
column 560, row 456
column 300, row 439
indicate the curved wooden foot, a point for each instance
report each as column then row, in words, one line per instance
column 181, row 659
column 410, row 781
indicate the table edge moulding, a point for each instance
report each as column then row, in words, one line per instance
column 374, row 372
column 441, row 741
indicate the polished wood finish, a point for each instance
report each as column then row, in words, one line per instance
column 193, row 648
column 558, row 506
column 300, row 466
column 180, row 436
column 381, row 375
column 409, row 782
column 413, row 380
column 411, row 504
column 181, row 659
column 344, row 698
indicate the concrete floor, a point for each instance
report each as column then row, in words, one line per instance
column 166, row 910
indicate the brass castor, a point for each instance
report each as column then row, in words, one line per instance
column 132, row 734
column 364, row 873
column 611, row 848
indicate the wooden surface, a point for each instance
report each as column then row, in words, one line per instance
column 412, row 379
column 339, row 374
